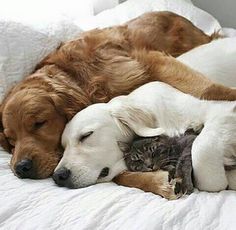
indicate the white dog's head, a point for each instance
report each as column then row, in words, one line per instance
column 91, row 149
column 90, row 139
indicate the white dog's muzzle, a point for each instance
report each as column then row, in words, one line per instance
column 82, row 178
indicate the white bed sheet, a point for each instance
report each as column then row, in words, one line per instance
column 40, row 204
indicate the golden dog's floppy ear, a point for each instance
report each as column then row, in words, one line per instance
column 141, row 122
column 68, row 100
column 3, row 141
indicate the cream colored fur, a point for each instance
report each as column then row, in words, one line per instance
column 152, row 109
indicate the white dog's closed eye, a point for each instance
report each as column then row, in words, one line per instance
column 85, row 135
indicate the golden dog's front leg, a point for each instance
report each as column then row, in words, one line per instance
column 156, row 182
column 162, row 67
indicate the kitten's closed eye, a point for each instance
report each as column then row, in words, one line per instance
column 137, row 168
column 163, row 149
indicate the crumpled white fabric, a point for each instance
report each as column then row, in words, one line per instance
column 40, row 204
column 29, row 30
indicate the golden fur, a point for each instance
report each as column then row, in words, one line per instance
column 155, row 182
column 96, row 67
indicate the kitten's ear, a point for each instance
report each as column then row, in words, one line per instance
column 124, row 147
column 143, row 123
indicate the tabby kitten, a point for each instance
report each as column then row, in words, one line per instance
column 172, row 154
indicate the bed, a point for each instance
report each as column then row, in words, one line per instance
column 40, row 204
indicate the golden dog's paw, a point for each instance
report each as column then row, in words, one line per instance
column 219, row 92
column 158, row 182
column 170, row 190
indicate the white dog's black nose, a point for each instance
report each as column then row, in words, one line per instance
column 61, row 176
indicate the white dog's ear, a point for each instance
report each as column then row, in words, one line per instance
column 140, row 122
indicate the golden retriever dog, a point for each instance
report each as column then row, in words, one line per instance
column 99, row 65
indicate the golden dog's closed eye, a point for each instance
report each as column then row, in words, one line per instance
column 11, row 141
column 85, row 136
column 40, row 124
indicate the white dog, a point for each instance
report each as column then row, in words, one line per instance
column 90, row 139
column 216, row 60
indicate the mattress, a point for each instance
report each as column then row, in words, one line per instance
column 40, row 204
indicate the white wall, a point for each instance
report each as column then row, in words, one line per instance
column 223, row 10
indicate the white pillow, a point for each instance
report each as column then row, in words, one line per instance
column 29, row 11
column 216, row 60
column 189, row 1
column 100, row 5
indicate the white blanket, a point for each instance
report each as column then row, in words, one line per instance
column 40, row 204
column 33, row 204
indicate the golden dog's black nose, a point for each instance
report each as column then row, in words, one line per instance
column 24, row 168
column 61, row 176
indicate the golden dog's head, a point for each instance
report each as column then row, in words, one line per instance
column 33, row 116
